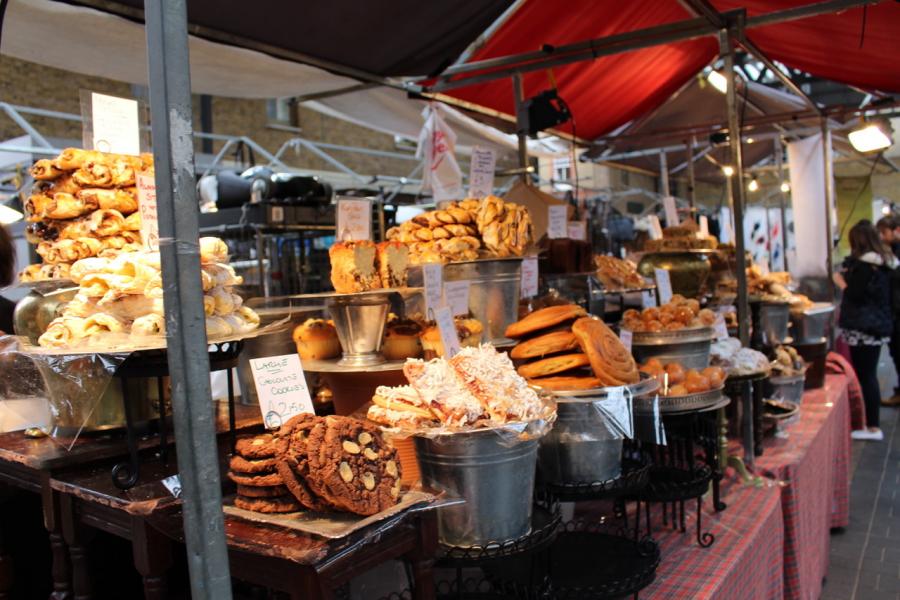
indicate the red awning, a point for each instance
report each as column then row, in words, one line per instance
column 610, row 91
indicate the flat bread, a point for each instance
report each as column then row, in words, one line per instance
column 543, row 345
column 543, row 318
column 553, row 365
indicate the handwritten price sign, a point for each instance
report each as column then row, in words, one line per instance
column 281, row 388
column 354, row 220
column 146, row 193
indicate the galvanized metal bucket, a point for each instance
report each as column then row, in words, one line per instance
column 813, row 324
column 774, row 319
column 689, row 347
column 786, row 388
column 492, row 472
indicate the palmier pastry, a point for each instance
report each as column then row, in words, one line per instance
column 316, row 339
column 544, row 318
column 553, row 365
column 611, row 362
column 549, row 343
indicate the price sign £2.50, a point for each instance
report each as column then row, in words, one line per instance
column 281, row 388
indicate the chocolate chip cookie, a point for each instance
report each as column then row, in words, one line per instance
column 262, row 492
column 239, row 464
column 351, row 461
column 256, row 447
column 292, row 463
column 278, row 504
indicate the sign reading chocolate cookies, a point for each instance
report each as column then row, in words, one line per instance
column 281, row 387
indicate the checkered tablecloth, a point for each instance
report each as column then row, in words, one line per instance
column 813, row 463
column 745, row 559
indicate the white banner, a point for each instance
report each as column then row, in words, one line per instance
column 437, row 143
column 809, row 200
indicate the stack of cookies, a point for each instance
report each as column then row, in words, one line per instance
column 259, row 485
column 317, row 463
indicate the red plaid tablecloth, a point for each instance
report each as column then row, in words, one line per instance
column 743, row 562
column 814, row 464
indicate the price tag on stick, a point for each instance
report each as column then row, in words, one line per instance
column 663, row 285
column 354, row 220
column 671, row 211
column 146, row 195
column 648, row 299
column 529, row 285
column 456, row 296
column 115, row 124
column 557, row 223
column 281, row 388
column 481, row 172
column 447, row 328
column 655, row 228
column 432, row 276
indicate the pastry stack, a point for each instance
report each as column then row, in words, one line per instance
column 364, row 266
column 83, row 204
column 477, row 388
column 466, row 230
column 618, row 274
column 124, row 295
column 561, row 348
column 319, row 464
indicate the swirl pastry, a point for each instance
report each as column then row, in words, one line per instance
column 122, row 200
column 44, row 170
column 149, row 325
column 44, row 272
column 611, row 362
column 69, row 250
column 73, row 158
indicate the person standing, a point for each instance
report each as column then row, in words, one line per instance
column 867, row 315
column 889, row 231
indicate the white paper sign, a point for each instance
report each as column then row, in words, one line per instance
column 720, row 327
column 456, row 297
column 655, row 228
column 354, row 220
column 663, row 285
column 146, row 195
column 704, row 226
column 281, row 388
column 626, row 335
column 432, row 276
column 671, row 211
column 449, row 337
column 648, row 299
column 557, row 223
column 577, row 230
column 173, row 484
column 529, row 284
column 115, row 124
column 481, row 172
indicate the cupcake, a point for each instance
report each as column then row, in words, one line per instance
column 316, row 339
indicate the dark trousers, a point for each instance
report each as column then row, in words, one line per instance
column 895, row 354
column 865, row 363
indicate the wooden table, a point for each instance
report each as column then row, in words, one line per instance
column 29, row 464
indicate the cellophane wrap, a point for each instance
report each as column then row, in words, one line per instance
column 55, row 392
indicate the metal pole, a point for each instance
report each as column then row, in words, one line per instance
column 782, row 200
column 521, row 119
column 664, row 174
column 829, row 203
column 737, row 187
column 195, row 428
column 692, row 192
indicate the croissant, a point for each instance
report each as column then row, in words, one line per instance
column 63, row 205
column 63, row 331
column 213, row 250
column 126, row 306
column 44, row 169
column 217, row 327
column 63, row 185
column 103, row 323
column 73, row 158
column 124, row 200
column 44, row 272
column 94, row 174
column 149, row 325
column 87, row 266
column 133, row 222
column 69, row 250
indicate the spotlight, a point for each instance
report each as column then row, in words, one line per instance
column 728, row 170
column 718, row 81
column 871, row 137
column 753, row 185
column 785, row 187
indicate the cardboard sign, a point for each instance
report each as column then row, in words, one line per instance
column 626, row 336
column 354, row 220
column 557, row 221
column 671, row 211
column 146, row 195
column 281, row 388
column 529, row 284
column 447, row 328
column 432, row 276
column 456, row 297
column 704, row 226
column 481, row 172
column 648, row 299
column 721, row 328
column 115, row 124
column 577, row 230
column 655, row 228
column 173, row 484
column 663, row 285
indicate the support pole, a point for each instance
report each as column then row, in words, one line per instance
column 521, row 130
column 692, row 182
column 195, row 431
column 782, row 201
column 737, row 188
column 664, row 174
column 829, row 204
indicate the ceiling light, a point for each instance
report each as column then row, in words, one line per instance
column 718, row 81
column 871, row 137
column 9, row 215
column 785, row 187
column 750, row 140
column 728, row 170
column 753, row 185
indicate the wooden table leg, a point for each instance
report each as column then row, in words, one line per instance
column 152, row 557
column 60, row 571
column 304, row 584
column 74, row 535
column 422, row 558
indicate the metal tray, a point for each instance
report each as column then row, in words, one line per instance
column 681, row 336
column 333, row 366
column 647, row 385
column 683, row 404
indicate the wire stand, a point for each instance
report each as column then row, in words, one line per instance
column 672, row 487
column 153, row 364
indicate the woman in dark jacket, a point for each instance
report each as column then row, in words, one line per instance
column 866, row 314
